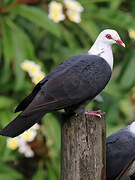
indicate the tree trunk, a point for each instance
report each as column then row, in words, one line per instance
column 83, row 149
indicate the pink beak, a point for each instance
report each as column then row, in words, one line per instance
column 120, row 42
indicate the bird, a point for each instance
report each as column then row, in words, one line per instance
column 70, row 86
column 120, row 154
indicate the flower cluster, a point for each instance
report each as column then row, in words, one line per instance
column 34, row 70
column 132, row 33
column 21, row 142
column 55, row 12
column 73, row 11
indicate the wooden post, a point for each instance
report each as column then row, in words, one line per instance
column 83, row 149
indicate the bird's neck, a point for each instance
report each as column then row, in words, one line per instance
column 131, row 128
column 104, row 51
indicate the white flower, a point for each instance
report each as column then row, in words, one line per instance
column 73, row 5
column 21, row 142
column 55, row 6
column 31, row 67
column 34, row 70
column 12, row 143
column 56, row 16
column 29, row 153
column 131, row 33
column 74, row 16
column 28, row 136
column 38, row 77
column 26, row 64
column 25, row 149
column 35, row 127
column 22, row 146
column 55, row 12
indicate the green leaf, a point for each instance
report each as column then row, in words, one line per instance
column 99, row 1
column 91, row 28
column 51, row 174
column 23, row 49
column 79, row 34
column 7, row 41
column 126, row 107
column 132, row 8
column 3, row 143
column 124, row 65
column 114, row 4
column 105, row 15
column 6, row 116
column 5, row 102
column 69, row 38
column 39, row 17
column 113, row 88
column 111, row 107
column 52, row 127
column 8, row 173
column 1, row 49
column 53, row 169
column 112, row 129
column 113, row 113
column 88, row 2
column 40, row 174
column 6, row 177
column 128, row 77
column 5, row 153
column 63, row 54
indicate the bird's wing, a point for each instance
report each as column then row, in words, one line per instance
column 125, row 170
column 37, row 88
column 76, row 83
column 30, row 97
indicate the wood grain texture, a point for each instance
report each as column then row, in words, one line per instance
column 83, row 148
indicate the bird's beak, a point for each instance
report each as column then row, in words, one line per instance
column 121, row 43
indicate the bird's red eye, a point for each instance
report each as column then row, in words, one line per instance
column 108, row 36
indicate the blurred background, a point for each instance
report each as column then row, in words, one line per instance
column 35, row 36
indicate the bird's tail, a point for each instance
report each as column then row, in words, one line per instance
column 20, row 124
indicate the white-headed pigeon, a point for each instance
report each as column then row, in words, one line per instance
column 70, row 86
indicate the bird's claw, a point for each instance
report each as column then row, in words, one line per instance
column 94, row 113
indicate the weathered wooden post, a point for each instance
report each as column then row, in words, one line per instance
column 83, row 148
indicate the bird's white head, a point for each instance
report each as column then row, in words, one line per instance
column 103, row 45
column 110, row 37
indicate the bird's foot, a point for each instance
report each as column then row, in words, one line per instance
column 94, row 113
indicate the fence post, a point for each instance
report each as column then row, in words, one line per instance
column 83, row 147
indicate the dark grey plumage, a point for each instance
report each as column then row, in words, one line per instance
column 120, row 153
column 72, row 83
column 132, row 177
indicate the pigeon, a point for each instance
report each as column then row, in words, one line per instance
column 70, row 86
column 120, row 154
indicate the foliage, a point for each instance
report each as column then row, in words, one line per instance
column 26, row 32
